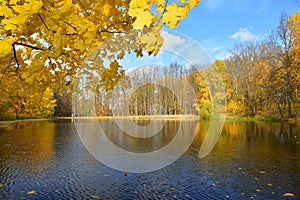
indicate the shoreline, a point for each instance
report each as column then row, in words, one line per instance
column 5, row 123
column 142, row 117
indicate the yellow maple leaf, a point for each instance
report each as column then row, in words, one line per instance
column 106, row 9
column 174, row 14
column 6, row 46
column 4, row 10
column 143, row 19
column 31, row 192
column 288, row 194
column 64, row 5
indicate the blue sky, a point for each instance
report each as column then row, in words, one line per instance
column 219, row 24
column 215, row 26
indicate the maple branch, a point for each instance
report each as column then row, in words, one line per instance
column 43, row 21
column 108, row 31
column 6, row 70
column 27, row 45
column 15, row 56
column 165, row 7
column 83, row 7
column 69, row 24
column 52, row 66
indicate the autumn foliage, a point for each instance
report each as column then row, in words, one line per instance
column 44, row 42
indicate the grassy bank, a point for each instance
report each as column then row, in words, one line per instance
column 265, row 119
column 9, row 122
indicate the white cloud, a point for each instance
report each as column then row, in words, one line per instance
column 244, row 35
column 171, row 41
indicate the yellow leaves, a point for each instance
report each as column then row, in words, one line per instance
column 144, row 18
column 6, row 46
column 171, row 13
column 191, row 3
column 174, row 14
column 106, row 9
column 5, row 11
column 140, row 9
column 28, row 8
column 288, row 194
column 95, row 197
column 1, row 185
column 64, row 5
column 152, row 40
column 31, row 192
column 20, row 14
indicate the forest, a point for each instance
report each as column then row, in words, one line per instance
column 40, row 58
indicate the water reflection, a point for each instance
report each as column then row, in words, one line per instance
column 105, row 141
column 250, row 160
column 31, row 143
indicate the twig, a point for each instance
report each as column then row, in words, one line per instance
column 43, row 21
column 27, row 45
column 52, row 66
column 15, row 56
column 83, row 7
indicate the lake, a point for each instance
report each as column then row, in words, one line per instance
column 47, row 160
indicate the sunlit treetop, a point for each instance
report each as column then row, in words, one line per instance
column 51, row 38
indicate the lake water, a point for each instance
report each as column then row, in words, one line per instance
column 47, row 160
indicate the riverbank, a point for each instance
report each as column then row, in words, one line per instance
column 9, row 122
column 136, row 117
column 265, row 119
column 5, row 123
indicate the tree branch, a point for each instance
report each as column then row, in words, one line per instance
column 52, row 66
column 69, row 24
column 15, row 56
column 27, row 45
column 6, row 70
column 43, row 21
column 83, row 7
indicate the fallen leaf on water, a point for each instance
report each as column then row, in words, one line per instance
column 288, row 194
column 262, row 172
column 105, row 175
column 256, row 179
column 22, row 198
column 1, row 185
column 258, row 190
column 97, row 172
column 227, row 196
column 31, row 192
column 174, row 197
column 94, row 197
column 56, row 190
column 269, row 184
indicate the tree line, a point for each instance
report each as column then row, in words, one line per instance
column 260, row 78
